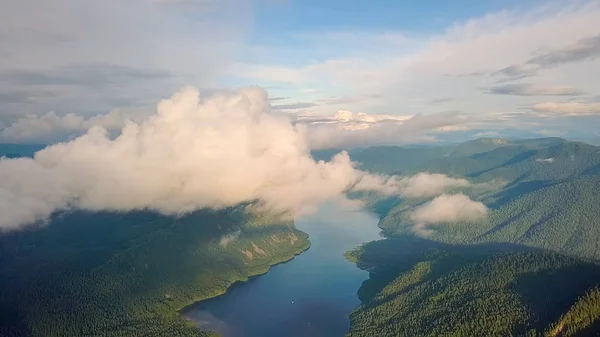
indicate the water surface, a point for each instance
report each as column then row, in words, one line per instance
column 310, row 296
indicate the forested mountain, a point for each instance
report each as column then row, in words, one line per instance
column 530, row 268
column 540, row 192
column 128, row 274
column 422, row 288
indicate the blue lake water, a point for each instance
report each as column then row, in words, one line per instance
column 310, row 296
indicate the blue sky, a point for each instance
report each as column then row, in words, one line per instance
column 468, row 68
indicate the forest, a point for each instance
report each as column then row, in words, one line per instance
column 530, row 268
column 419, row 288
column 111, row 274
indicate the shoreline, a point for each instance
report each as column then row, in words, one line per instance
column 241, row 281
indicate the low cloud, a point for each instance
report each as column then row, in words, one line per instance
column 533, row 90
column 417, row 186
column 227, row 239
column 448, row 208
column 191, row 154
column 553, row 133
column 427, row 184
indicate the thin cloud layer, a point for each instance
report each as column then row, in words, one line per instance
column 568, row 108
column 533, row 90
column 585, row 49
column 192, row 154
column 347, row 129
column 96, row 56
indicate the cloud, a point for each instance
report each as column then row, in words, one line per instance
column 568, row 108
column 416, row 186
column 192, row 153
column 553, row 133
column 295, row 106
column 50, row 128
column 429, row 184
column 449, row 208
column 227, row 239
column 346, row 129
column 585, row 49
column 545, row 160
column 552, row 43
column 442, row 100
column 533, row 90
column 107, row 54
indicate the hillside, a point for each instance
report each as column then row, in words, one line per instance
column 541, row 193
column 128, row 274
column 527, row 269
column 422, row 288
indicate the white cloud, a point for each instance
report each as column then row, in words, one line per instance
column 349, row 120
column 416, row 186
column 192, row 154
column 449, row 208
column 429, row 184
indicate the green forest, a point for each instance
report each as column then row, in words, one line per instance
column 109, row 274
column 528, row 269
column 422, row 288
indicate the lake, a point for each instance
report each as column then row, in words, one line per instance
column 309, row 296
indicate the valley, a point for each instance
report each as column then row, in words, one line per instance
column 528, row 268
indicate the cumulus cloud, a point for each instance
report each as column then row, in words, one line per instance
column 447, row 208
column 192, row 154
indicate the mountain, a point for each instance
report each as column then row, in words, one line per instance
column 420, row 288
column 530, row 268
column 108, row 274
column 540, row 192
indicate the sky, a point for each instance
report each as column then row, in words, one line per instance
column 348, row 73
